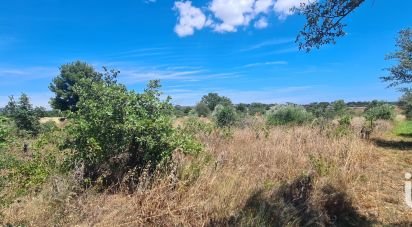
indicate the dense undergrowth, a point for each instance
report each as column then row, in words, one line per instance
column 122, row 158
column 250, row 175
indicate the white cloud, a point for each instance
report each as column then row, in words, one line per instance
column 190, row 18
column 261, row 23
column 263, row 6
column 283, row 8
column 230, row 15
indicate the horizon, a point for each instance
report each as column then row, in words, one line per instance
column 198, row 47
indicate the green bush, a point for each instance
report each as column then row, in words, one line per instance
column 287, row 114
column 380, row 111
column 115, row 131
column 224, row 116
column 48, row 127
column 195, row 126
column 4, row 131
column 24, row 115
column 202, row 109
column 406, row 103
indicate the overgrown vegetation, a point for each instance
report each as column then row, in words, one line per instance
column 115, row 132
column 379, row 111
column 288, row 114
column 24, row 115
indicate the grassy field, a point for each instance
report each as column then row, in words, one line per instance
column 403, row 128
column 249, row 177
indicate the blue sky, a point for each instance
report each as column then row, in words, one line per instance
column 232, row 47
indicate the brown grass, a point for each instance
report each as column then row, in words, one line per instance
column 295, row 175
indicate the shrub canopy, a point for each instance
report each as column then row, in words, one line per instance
column 287, row 114
column 115, row 131
column 224, row 116
column 379, row 111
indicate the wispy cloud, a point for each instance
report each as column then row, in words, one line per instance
column 273, row 42
column 131, row 74
column 265, row 63
column 18, row 74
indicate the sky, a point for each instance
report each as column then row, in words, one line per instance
column 243, row 49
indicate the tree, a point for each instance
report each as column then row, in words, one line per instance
column 115, row 131
column 63, row 85
column 287, row 114
column 202, row 109
column 213, row 99
column 338, row 108
column 224, row 116
column 23, row 114
column 40, row 111
column 379, row 111
column 401, row 74
column 324, row 22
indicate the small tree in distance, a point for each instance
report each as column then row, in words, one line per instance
column 202, row 110
column 23, row 114
column 224, row 116
column 213, row 99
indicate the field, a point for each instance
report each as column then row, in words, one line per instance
column 248, row 177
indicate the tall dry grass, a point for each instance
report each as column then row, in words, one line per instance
column 293, row 176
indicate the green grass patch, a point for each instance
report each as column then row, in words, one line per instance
column 403, row 128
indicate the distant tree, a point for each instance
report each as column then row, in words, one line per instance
column 258, row 108
column 401, row 74
column 379, row 111
column 224, row 116
column 11, row 107
column 181, row 111
column 319, row 110
column 213, row 99
column 40, row 111
column 63, row 85
column 324, row 22
column 23, row 114
column 202, row 109
column 338, row 108
column 242, row 108
column 287, row 114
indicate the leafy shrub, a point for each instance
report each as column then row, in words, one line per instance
column 202, row 110
column 23, row 114
column 4, row 131
column 287, row 114
column 380, row 111
column 344, row 127
column 338, row 108
column 48, row 127
column 224, row 116
column 195, row 126
column 406, row 104
column 115, row 131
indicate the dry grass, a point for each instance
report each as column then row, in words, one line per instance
column 60, row 122
column 248, row 181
